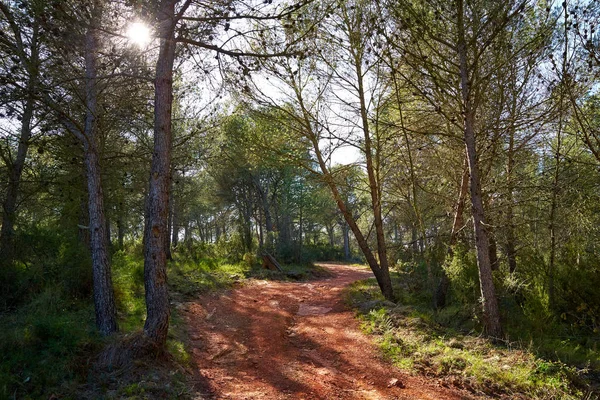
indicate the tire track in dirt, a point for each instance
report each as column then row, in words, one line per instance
column 294, row 340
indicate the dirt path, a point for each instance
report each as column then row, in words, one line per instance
column 286, row 340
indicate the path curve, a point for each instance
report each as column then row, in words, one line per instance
column 294, row 340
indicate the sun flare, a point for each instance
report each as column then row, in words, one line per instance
column 139, row 34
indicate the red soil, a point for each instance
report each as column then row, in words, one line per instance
column 288, row 340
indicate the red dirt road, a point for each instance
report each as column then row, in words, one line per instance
column 287, row 340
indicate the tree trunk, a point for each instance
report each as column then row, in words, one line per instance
column 155, row 233
column 379, row 269
column 553, row 208
column 187, row 232
column 414, row 237
column 511, row 252
column 7, row 245
column 346, row 241
column 120, row 233
column 491, row 313
column 374, row 187
column 106, row 315
column 268, row 218
column 169, row 223
column 300, row 226
column 9, row 206
column 269, row 262
column 83, row 232
column 494, row 262
column 175, row 223
column 382, row 274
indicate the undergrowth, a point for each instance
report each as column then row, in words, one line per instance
column 49, row 343
column 447, row 345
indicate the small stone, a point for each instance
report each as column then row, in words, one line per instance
column 395, row 382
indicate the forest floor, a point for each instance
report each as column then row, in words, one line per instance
column 293, row 340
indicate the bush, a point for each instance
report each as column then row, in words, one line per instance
column 464, row 277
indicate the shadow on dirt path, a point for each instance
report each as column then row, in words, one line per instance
column 289, row 340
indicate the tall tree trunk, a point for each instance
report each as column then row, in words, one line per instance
column 155, row 233
column 83, row 232
column 106, row 315
column 346, row 241
column 175, row 228
column 511, row 252
column 187, row 232
column 414, row 237
column 374, row 184
column 553, row 209
column 300, row 226
column 169, row 222
column 264, row 199
column 556, row 175
column 491, row 312
column 330, row 234
column 175, row 224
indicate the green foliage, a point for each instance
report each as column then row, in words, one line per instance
column 232, row 249
column 46, row 257
column 128, row 282
column 193, row 277
column 463, row 274
column 46, row 345
column 444, row 344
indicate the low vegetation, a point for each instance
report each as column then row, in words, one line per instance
column 447, row 345
column 50, row 344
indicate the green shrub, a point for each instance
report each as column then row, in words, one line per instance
column 463, row 274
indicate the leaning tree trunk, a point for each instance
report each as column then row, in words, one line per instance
column 491, row 312
column 155, row 233
column 380, row 269
column 382, row 274
column 104, row 302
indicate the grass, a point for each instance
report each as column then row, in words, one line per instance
column 46, row 345
column 49, row 344
column 446, row 345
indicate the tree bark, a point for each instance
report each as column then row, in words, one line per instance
column 330, row 234
column 491, row 312
column 155, row 233
column 264, row 200
column 511, row 252
column 169, row 222
column 106, row 315
column 175, row 224
column 346, row 240
column 374, row 186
